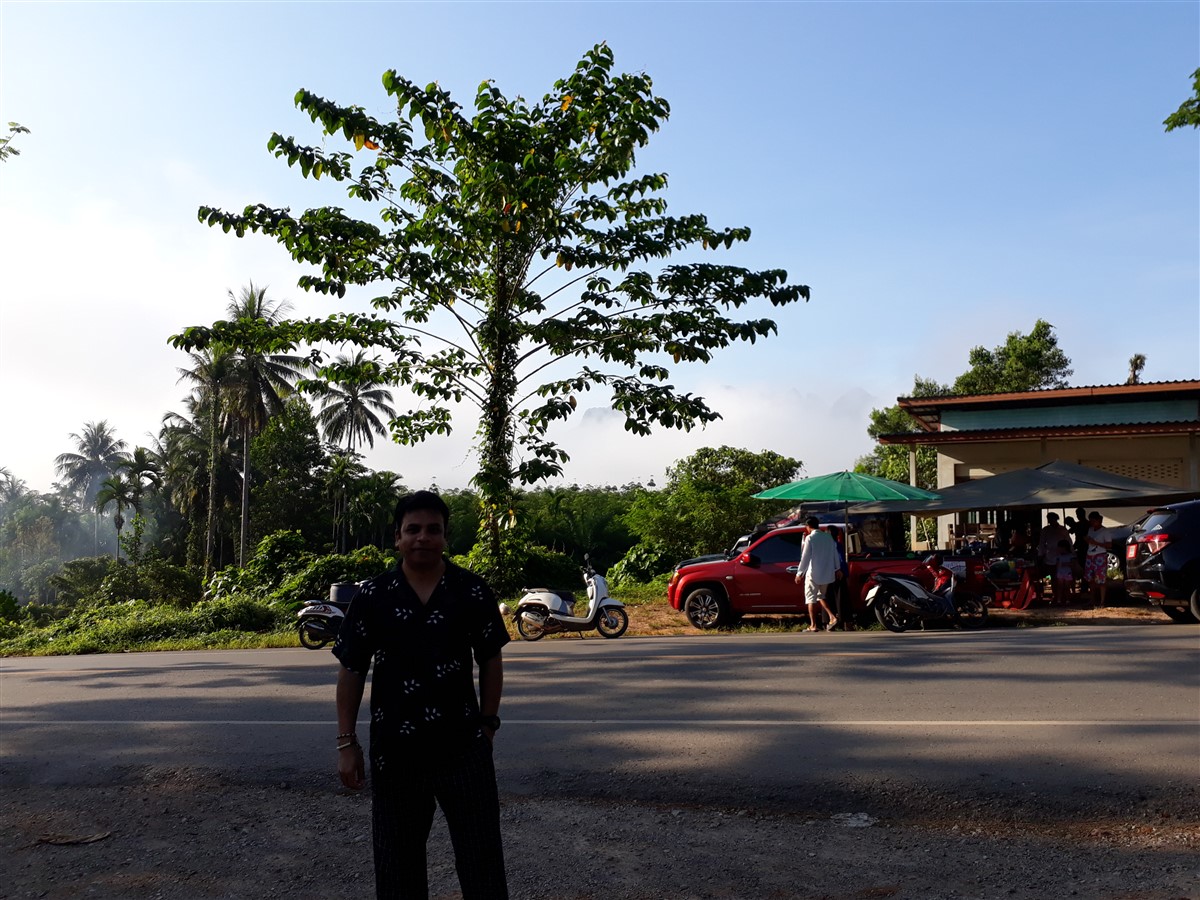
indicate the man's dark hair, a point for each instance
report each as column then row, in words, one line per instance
column 812, row 522
column 421, row 500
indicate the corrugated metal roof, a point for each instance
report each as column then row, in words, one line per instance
column 1186, row 384
column 927, row 411
column 1124, row 429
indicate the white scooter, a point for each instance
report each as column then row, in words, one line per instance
column 542, row 611
column 321, row 620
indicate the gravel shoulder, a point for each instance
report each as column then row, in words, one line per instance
column 191, row 834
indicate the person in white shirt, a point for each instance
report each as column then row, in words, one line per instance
column 819, row 567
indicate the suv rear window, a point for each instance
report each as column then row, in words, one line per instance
column 1156, row 521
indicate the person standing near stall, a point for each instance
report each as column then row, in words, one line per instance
column 820, row 566
column 1095, row 568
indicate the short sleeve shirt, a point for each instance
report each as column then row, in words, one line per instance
column 423, row 689
column 1099, row 534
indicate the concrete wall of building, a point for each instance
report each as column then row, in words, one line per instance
column 1167, row 459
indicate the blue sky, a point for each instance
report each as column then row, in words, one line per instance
column 940, row 174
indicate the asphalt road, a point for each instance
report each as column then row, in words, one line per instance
column 1058, row 709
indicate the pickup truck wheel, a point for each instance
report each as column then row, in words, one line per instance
column 1196, row 604
column 705, row 608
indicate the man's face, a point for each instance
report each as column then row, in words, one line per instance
column 421, row 539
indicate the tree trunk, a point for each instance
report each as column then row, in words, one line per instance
column 496, row 429
column 211, row 536
column 245, row 492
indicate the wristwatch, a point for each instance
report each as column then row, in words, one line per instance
column 492, row 722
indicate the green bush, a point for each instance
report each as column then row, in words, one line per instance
column 313, row 581
column 169, row 583
column 278, row 556
column 81, row 578
column 10, row 609
column 549, row 568
column 642, row 563
column 120, row 585
column 138, row 625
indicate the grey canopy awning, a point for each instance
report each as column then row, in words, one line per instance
column 1054, row 484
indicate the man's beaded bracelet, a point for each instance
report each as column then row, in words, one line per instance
column 349, row 739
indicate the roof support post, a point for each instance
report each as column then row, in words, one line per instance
column 912, row 480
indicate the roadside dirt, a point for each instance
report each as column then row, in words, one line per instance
column 197, row 834
column 658, row 619
column 191, row 834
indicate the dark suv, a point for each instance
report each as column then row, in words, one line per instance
column 1162, row 560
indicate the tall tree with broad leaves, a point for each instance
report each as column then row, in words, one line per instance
column 706, row 503
column 6, row 147
column 1024, row 362
column 352, row 401
column 97, row 452
column 262, row 382
column 1188, row 113
column 509, row 241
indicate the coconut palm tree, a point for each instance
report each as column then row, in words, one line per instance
column 263, row 382
column 341, row 480
column 1137, row 362
column 116, row 490
column 182, row 450
column 97, row 452
column 372, row 507
column 214, row 371
column 142, row 470
column 350, row 400
column 11, row 487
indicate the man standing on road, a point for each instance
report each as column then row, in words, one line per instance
column 431, row 736
column 819, row 567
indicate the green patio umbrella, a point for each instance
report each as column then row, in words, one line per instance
column 845, row 487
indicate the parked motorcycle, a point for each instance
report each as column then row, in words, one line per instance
column 321, row 620
column 542, row 611
column 901, row 602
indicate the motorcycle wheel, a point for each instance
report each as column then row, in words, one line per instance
column 310, row 640
column 891, row 616
column 528, row 630
column 612, row 622
column 972, row 612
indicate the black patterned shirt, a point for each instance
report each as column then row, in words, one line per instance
column 423, row 696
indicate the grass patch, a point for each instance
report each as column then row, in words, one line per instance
column 229, row 623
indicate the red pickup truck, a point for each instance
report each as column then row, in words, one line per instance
column 762, row 579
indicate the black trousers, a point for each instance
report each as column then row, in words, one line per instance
column 403, row 804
